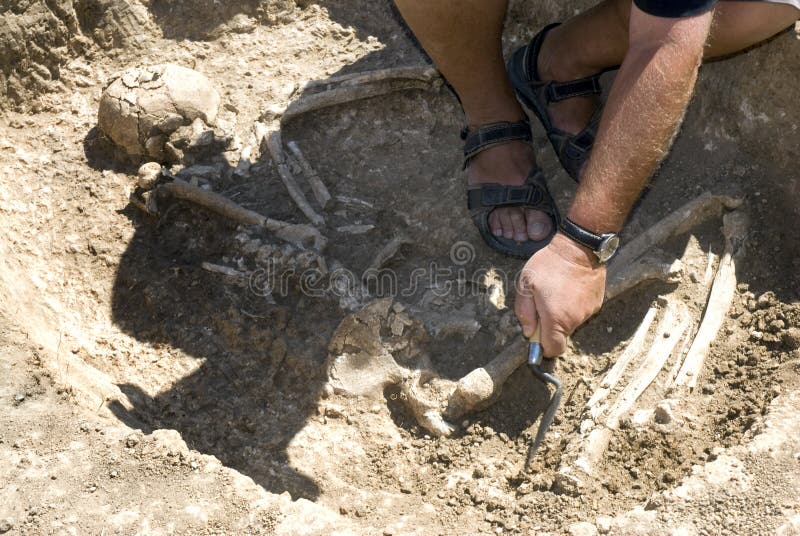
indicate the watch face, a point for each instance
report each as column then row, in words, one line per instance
column 608, row 247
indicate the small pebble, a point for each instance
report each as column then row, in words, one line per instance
column 131, row 441
column 791, row 338
column 148, row 175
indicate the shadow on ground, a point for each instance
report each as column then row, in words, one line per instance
column 262, row 363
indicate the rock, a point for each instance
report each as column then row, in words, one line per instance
column 603, row 524
column 132, row 440
column 143, row 106
column 791, row 338
column 776, row 326
column 148, row 175
column 6, row 525
column 582, row 528
column 663, row 413
column 765, row 300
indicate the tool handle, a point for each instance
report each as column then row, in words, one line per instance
column 535, row 352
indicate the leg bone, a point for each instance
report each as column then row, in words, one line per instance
column 623, row 278
column 680, row 221
column 351, row 88
column 303, row 236
column 723, row 290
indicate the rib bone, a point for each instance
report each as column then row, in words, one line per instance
column 631, row 351
column 321, row 193
column 588, row 450
column 275, row 148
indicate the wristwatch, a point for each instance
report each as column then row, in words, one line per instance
column 603, row 245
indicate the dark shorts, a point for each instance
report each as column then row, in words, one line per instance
column 687, row 8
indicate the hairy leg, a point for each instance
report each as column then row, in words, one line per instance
column 597, row 39
column 463, row 37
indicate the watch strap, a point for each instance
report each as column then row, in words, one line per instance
column 581, row 235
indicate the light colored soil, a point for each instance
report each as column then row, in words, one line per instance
column 141, row 393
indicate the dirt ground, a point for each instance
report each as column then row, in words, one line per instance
column 144, row 394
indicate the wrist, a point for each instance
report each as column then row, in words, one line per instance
column 573, row 252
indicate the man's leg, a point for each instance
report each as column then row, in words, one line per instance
column 463, row 37
column 597, row 39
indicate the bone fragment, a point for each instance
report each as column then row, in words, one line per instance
column 723, row 290
column 355, row 229
column 318, row 188
column 224, row 270
column 678, row 222
column 350, row 88
column 385, row 254
column 245, row 163
column 303, row 236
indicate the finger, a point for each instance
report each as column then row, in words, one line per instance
column 518, row 224
column 505, row 222
column 525, row 307
column 494, row 223
column 539, row 224
column 554, row 340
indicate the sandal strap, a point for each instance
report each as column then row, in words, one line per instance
column 558, row 91
column 532, row 194
column 488, row 136
column 498, row 195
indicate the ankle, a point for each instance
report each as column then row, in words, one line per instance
column 509, row 163
column 507, row 110
column 560, row 62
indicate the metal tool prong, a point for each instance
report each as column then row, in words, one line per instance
column 535, row 357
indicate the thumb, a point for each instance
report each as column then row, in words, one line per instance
column 525, row 308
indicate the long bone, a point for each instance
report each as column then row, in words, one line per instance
column 719, row 303
column 350, row 88
column 303, row 236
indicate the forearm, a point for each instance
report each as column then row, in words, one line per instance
column 643, row 112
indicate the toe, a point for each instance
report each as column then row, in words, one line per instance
column 505, row 222
column 539, row 224
column 495, row 224
column 517, row 217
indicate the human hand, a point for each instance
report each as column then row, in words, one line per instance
column 560, row 287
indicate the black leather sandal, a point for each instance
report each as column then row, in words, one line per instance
column 482, row 199
column 535, row 94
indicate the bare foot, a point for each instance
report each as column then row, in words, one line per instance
column 570, row 115
column 510, row 164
